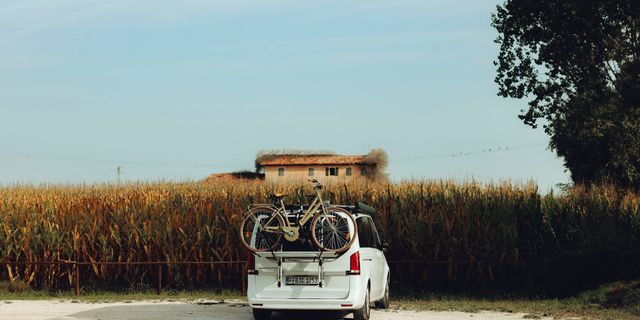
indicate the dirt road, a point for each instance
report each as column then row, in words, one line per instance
column 152, row 310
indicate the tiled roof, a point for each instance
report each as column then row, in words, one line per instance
column 299, row 159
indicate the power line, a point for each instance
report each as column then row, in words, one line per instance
column 118, row 163
column 227, row 166
column 470, row 153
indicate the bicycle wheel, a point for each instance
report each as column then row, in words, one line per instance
column 334, row 230
column 252, row 229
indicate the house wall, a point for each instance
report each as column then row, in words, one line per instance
column 302, row 173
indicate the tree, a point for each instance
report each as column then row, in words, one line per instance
column 577, row 63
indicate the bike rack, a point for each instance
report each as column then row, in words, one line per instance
column 299, row 256
column 281, row 257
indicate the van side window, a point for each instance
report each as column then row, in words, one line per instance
column 376, row 235
column 365, row 233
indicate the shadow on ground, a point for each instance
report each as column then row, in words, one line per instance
column 153, row 311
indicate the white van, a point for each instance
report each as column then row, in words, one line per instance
column 299, row 277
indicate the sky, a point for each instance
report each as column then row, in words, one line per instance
column 177, row 90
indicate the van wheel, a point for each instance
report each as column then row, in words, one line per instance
column 261, row 314
column 365, row 312
column 384, row 302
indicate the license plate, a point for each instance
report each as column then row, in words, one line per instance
column 301, row 280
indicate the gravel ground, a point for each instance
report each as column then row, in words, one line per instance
column 151, row 310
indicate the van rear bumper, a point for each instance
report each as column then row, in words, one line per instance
column 355, row 300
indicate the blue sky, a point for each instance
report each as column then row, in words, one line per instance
column 181, row 89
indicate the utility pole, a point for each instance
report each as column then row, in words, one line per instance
column 119, row 171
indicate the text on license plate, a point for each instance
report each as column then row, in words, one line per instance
column 301, row 280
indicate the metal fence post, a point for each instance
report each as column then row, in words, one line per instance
column 159, row 289
column 76, row 271
column 244, row 270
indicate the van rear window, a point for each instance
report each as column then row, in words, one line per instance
column 302, row 244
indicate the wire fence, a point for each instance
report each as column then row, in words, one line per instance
column 76, row 268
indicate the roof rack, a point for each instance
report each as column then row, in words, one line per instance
column 364, row 208
column 358, row 207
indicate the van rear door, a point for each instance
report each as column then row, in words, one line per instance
column 301, row 275
column 299, row 271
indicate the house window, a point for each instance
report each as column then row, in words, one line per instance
column 331, row 171
column 311, row 172
column 347, row 171
column 280, row 172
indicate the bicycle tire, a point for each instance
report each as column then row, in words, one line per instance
column 270, row 241
column 320, row 243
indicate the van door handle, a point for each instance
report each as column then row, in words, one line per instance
column 367, row 259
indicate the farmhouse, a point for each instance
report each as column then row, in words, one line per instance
column 321, row 166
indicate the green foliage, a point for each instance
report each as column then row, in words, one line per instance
column 577, row 62
column 621, row 295
column 441, row 234
column 18, row 287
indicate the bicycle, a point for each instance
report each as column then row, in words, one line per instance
column 264, row 225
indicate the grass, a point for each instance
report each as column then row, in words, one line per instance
column 617, row 300
column 534, row 309
column 119, row 296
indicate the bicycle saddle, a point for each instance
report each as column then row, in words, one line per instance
column 278, row 195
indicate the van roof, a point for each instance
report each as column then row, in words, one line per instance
column 359, row 208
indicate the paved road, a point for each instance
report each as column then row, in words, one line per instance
column 152, row 310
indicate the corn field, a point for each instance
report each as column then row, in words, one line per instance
column 441, row 234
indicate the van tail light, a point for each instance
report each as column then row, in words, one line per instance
column 251, row 264
column 354, row 265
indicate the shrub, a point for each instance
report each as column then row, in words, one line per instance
column 14, row 286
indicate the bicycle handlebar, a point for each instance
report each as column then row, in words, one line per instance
column 316, row 183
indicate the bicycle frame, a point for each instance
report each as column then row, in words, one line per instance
column 315, row 205
column 333, row 231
